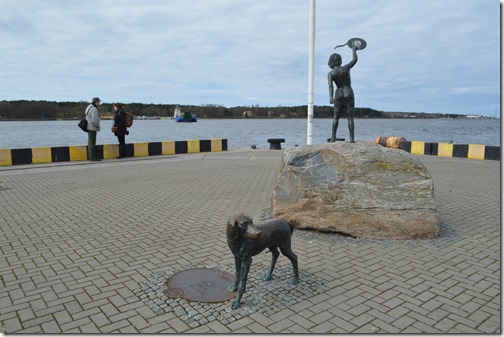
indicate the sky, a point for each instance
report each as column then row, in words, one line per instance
column 434, row 56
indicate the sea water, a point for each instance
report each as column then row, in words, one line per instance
column 244, row 133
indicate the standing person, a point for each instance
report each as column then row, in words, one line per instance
column 93, row 119
column 119, row 129
column 343, row 98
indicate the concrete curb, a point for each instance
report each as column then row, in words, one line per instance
column 471, row 151
column 40, row 155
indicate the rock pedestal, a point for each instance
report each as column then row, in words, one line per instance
column 360, row 189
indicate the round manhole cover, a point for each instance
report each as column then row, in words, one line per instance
column 201, row 285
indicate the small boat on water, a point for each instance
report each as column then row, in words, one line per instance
column 184, row 117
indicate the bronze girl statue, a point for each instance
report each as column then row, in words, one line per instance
column 343, row 98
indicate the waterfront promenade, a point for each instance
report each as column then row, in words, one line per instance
column 86, row 247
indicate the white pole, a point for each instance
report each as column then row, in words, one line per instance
column 311, row 57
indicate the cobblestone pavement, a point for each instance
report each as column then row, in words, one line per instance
column 87, row 248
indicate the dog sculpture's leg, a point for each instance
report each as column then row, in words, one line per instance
column 242, row 284
column 233, row 286
column 274, row 257
column 288, row 252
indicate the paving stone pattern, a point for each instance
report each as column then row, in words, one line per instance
column 267, row 298
column 81, row 243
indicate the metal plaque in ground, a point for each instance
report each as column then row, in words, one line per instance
column 200, row 285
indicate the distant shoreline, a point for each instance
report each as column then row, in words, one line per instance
column 240, row 118
column 44, row 110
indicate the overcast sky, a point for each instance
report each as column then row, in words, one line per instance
column 421, row 56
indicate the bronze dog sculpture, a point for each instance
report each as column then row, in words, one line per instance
column 246, row 240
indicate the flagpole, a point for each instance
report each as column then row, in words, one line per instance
column 311, row 57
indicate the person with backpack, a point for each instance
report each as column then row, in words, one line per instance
column 93, row 126
column 119, row 129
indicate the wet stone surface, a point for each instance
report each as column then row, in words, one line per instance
column 267, row 298
column 263, row 297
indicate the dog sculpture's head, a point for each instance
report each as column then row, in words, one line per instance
column 241, row 226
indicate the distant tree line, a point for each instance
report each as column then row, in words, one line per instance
column 24, row 109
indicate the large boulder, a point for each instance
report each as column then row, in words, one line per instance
column 360, row 189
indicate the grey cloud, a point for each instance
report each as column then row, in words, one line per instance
column 244, row 52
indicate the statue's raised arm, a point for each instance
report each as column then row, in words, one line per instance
column 354, row 57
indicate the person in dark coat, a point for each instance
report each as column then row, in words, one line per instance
column 119, row 128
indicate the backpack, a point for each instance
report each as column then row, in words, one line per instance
column 129, row 119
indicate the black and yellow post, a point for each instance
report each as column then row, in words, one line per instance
column 41, row 155
column 471, row 151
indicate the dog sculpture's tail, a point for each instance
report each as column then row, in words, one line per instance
column 291, row 226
